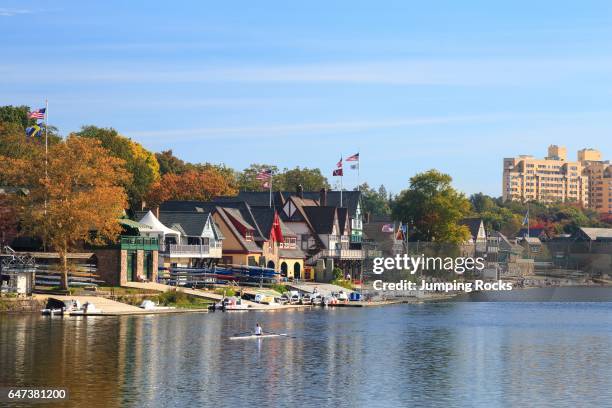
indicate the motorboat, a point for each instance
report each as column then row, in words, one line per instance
column 234, row 303
column 55, row 307
column 88, row 308
column 330, row 300
column 316, row 299
column 294, row 297
column 306, row 299
column 342, row 296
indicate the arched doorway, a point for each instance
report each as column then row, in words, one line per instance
column 284, row 269
column 271, row 264
column 296, row 270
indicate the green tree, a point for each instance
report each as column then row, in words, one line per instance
column 310, row 179
column 247, row 178
column 374, row 202
column 170, row 164
column 433, row 208
column 140, row 163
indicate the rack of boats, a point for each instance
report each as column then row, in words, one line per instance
column 187, row 276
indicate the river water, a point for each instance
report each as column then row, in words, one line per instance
column 443, row 354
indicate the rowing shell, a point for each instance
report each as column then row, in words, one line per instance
column 254, row 336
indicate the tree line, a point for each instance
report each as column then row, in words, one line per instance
column 90, row 178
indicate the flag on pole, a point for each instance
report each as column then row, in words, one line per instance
column 355, row 166
column 34, row 130
column 264, row 175
column 339, row 164
column 354, row 157
column 338, row 172
column 526, row 219
column 387, row 228
column 37, row 114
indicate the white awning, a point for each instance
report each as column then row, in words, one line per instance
column 151, row 220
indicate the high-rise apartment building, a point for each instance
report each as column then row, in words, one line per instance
column 552, row 179
column 600, row 180
column 587, row 181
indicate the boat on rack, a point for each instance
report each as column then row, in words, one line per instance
column 250, row 336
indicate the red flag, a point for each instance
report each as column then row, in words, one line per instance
column 338, row 172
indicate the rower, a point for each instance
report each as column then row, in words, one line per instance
column 258, row 330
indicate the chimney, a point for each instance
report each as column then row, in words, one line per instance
column 323, row 197
column 300, row 191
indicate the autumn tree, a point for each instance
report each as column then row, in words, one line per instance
column 139, row 162
column 13, row 142
column 192, row 185
column 77, row 198
column 433, row 208
column 8, row 219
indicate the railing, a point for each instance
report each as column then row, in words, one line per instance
column 346, row 253
column 145, row 243
column 193, row 251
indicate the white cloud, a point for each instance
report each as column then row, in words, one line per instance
column 316, row 128
column 8, row 12
column 459, row 72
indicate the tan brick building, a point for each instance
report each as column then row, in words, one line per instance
column 600, row 180
column 588, row 180
column 552, row 179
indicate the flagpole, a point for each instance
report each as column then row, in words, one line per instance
column 46, row 135
column 270, row 190
column 341, row 177
column 527, row 219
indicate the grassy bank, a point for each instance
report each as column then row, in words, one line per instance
column 10, row 304
column 172, row 298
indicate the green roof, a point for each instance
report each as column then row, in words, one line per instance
column 133, row 224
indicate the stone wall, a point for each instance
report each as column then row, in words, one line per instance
column 109, row 265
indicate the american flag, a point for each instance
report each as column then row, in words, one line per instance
column 37, row 114
column 387, row 228
column 339, row 164
column 264, row 175
column 354, row 157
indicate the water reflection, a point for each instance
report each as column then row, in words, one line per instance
column 450, row 354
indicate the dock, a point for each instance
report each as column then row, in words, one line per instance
column 108, row 307
column 160, row 287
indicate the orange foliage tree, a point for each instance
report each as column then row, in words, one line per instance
column 199, row 185
column 79, row 198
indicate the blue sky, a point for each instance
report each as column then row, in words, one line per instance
column 455, row 85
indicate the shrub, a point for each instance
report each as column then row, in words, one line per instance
column 225, row 291
column 280, row 288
